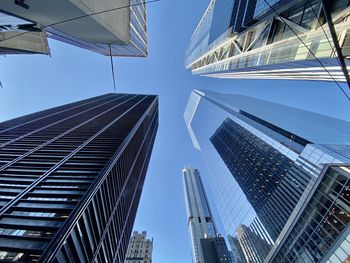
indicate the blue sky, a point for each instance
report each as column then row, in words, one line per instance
column 35, row 82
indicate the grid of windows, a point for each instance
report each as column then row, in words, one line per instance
column 324, row 220
column 269, row 179
column 71, row 178
column 214, row 250
column 139, row 249
column 257, row 167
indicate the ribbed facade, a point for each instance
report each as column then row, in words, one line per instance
column 71, row 179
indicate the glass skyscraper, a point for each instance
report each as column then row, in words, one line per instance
column 263, row 159
column 71, row 179
column 200, row 219
column 103, row 26
column 269, row 39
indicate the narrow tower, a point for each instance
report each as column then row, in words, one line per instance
column 200, row 220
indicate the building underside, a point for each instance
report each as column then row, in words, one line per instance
column 115, row 28
column 288, row 40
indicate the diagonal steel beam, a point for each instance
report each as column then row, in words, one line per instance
column 293, row 24
column 260, row 36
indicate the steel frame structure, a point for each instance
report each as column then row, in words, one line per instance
column 254, row 53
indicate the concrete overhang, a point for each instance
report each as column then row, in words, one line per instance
column 106, row 28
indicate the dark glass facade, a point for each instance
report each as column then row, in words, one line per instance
column 263, row 6
column 71, row 179
column 263, row 173
column 214, row 250
column 257, row 167
column 242, row 14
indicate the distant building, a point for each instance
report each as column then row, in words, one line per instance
column 237, row 252
column 200, row 219
column 214, row 250
column 263, row 158
column 269, row 39
column 25, row 26
column 254, row 248
column 139, row 249
column 232, row 255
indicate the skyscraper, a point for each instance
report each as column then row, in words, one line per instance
column 269, row 39
column 263, row 158
column 71, row 179
column 238, row 255
column 255, row 248
column 320, row 230
column 214, row 250
column 200, row 220
column 139, row 249
column 103, row 26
